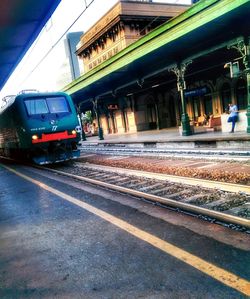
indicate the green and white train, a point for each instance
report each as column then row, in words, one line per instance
column 39, row 126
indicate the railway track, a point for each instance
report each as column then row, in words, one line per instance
column 200, row 154
column 218, row 202
column 211, row 201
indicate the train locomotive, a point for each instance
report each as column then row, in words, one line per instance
column 39, row 126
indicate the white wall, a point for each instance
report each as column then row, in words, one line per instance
column 241, row 124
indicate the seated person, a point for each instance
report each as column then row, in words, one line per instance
column 206, row 119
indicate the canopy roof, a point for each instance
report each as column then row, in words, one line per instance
column 205, row 27
column 20, row 23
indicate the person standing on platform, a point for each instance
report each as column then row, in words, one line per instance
column 233, row 116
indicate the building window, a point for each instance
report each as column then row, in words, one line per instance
column 241, row 94
column 225, row 96
column 208, row 103
column 196, row 107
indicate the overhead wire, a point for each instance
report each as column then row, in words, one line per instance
column 58, row 40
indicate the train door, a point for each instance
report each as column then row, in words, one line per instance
column 241, row 94
column 125, row 120
column 152, row 117
column 112, row 122
column 196, row 107
column 172, row 111
column 208, row 104
column 225, row 96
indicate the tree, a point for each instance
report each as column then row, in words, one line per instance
column 87, row 117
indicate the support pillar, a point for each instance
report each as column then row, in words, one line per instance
column 179, row 71
column 157, row 116
column 156, row 104
column 246, row 61
column 100, row 130
column 78, row 109
column 243, row 47
column 248, row 101
column 83, row 134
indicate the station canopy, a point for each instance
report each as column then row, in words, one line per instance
column 202, row 32
column 20, row 23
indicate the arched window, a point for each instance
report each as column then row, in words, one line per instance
column 172, row 111
column 196, row 106
column 225, row 96
column 208, row 104
column 241, row 94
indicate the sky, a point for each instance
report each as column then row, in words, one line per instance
column 45, row 61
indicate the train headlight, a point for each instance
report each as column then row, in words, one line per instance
column 34, row 137
column 73, row 132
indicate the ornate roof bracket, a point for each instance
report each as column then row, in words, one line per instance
column 140, row 82
column 243, row 47
column 179, row 71
column 114, row 93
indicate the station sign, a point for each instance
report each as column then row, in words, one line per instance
column 196, row 92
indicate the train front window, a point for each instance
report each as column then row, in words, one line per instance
column 45, row 106
column 36, row 106
column 57, row 105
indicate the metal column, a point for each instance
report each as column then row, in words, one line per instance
column 100, row 130
column 243, row 48
column 179, row 71
column 246, row 61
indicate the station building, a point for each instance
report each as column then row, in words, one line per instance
column 152, row 65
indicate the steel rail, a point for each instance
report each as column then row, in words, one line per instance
column 167, row 153
column 165, row 201
column 176, row 179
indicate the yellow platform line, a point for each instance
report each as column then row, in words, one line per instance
column 223, row 276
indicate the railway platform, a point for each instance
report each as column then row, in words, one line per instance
column 171, row 138
column 62, row 238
